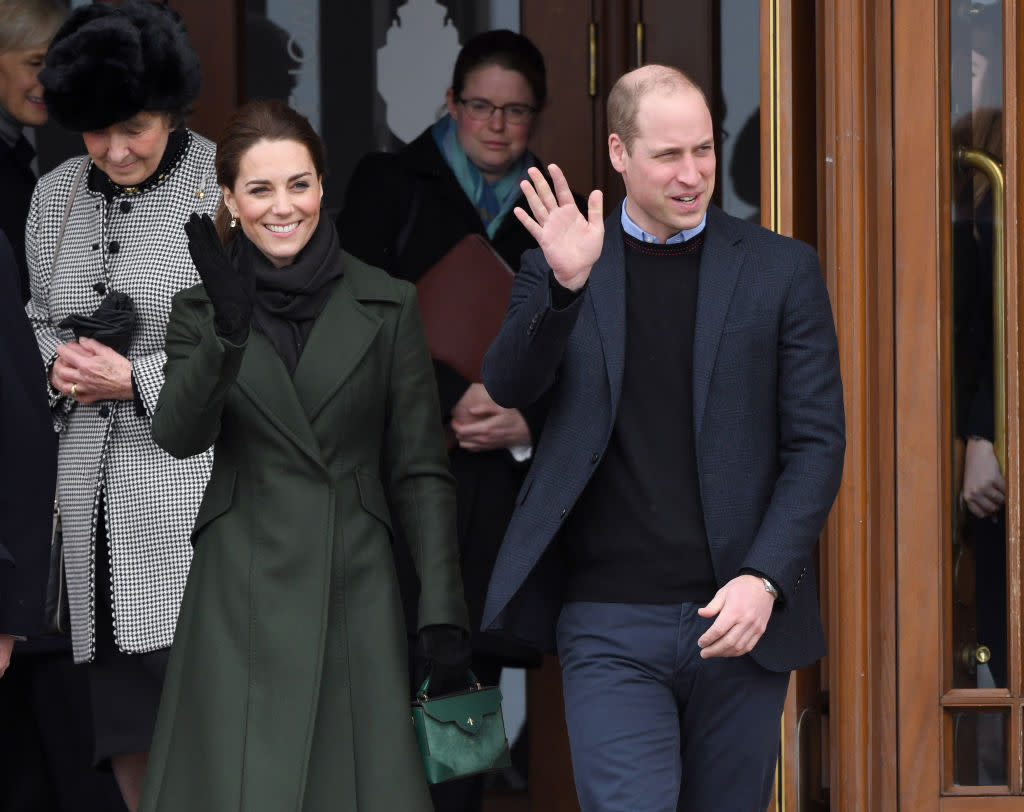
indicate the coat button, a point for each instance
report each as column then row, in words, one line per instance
column 104, row 410
column 100, row 288
column 126, row 206
column 594, row 457
column 114, row 246
column 562, row 514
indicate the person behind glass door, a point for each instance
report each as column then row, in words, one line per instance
column 124, row 77
column 983, row 484
column 403, row 212
column 308, row 370
column 26, row 27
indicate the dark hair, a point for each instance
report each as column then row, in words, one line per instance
column 508, row 50
column 264, row 120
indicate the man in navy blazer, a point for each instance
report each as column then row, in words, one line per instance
column 693, row 446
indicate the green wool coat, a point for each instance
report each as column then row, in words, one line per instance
column 287, row 684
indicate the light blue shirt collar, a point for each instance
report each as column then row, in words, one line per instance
column 633, row 230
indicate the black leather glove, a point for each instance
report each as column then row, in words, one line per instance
column 231, row 290
column 443, row 652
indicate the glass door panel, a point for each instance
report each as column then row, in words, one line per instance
column 980, row 655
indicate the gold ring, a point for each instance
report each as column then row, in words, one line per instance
column 74, row 391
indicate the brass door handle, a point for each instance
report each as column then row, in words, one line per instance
column 639, row 45
column 592, row 59
column 992, row 169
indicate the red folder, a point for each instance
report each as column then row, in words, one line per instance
column 463, row 299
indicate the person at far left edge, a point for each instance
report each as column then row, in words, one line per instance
column 106, row 254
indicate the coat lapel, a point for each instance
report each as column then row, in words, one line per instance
column 340, row 337
column 608, row 297
column 721, row 260
column 264, row 378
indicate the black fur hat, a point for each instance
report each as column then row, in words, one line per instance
column 105, row 64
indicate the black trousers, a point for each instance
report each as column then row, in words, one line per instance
column 47, row 742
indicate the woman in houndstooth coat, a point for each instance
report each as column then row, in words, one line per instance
column 104, row 227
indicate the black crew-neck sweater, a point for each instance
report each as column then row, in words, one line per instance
column 637, row 532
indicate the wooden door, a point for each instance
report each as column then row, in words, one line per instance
column 957, row 349
column 587, row 45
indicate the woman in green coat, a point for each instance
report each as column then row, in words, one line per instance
column 308, row 372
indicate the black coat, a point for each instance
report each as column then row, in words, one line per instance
column 17, row 182
column 375, row 225
column 28, row 448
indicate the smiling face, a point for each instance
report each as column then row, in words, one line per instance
column 130, row 151
column 495, row 144
column 670, row 171
column 21, row 95
column 276, row 198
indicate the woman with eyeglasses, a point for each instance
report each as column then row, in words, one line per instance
column 403, row 212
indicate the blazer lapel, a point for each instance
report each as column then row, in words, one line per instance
column 721, row 260
column 264, row 379
column 340, row 337
column 608, row 297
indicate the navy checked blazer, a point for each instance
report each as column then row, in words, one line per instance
column 768, row 421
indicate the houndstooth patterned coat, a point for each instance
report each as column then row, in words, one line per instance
column 133, row 243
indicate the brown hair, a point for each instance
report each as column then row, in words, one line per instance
column 626, row 94
column 265, row 120
column 507, row 50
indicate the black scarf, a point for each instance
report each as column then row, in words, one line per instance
column 289, row 299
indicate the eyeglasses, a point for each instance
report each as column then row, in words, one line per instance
column 482, row 110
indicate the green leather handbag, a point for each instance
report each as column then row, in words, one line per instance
column 462, row 733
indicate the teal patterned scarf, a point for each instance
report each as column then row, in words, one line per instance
column 491, row 200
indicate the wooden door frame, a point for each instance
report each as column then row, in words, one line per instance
column 856, row 228
column 920, row 213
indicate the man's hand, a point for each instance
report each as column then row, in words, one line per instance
column 743, row 607
column 89, row 370
column 6, row 646
column 571, row 243
column 984, row 489
column 480, row 424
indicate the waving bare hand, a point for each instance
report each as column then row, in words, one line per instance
column 571, row 242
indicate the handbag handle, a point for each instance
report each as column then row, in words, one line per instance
column 67, row 210
column 473, row 684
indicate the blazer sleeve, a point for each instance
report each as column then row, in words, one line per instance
column 811, row 430
column 200, row 371
column 421, row 489
column 522, row 363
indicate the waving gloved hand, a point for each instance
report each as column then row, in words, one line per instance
column 443, row 652
column 231, row 290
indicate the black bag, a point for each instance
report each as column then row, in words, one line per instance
column 57, row 614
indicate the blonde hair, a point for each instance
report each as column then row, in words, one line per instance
column 626, row 94
column 29, row 23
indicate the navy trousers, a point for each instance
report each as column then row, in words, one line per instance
column 652, row 726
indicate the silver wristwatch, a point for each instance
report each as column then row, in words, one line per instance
column 770, row 587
